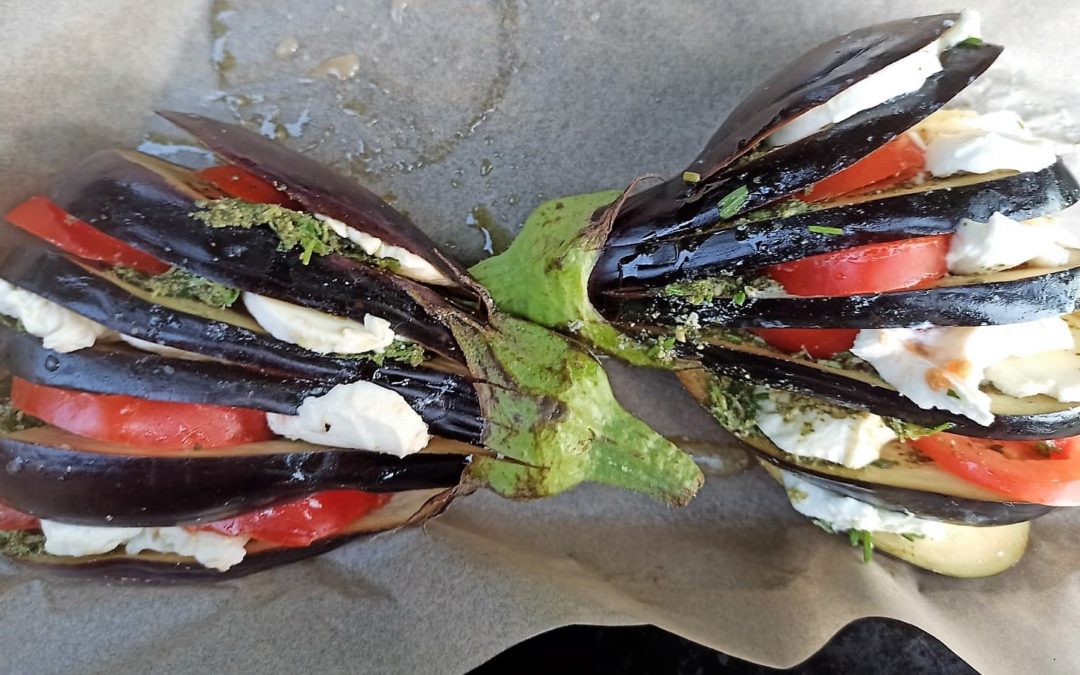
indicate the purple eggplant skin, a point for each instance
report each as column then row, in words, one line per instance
column 317, row 187
column 768, row 242
column 928, row 505
column 59, row 476
column 447, row 403
column 148, row 203
column 833, row 385
column 675, row 207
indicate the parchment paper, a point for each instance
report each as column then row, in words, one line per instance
column 468, row 114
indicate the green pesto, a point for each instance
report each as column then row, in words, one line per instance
column 906, row 431
column 734, row 404
column 398, row 350
column 551, row 413
column 737, row 288
column 179, row 283
column 544, row 277
column 12, row 419
column 21, row 543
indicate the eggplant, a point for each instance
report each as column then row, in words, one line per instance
column 1031, row 418
column 57, row 475
column 447, row 403
column 402, row 509
column 150, row 204
column 317, row 187
column 675, row 207
column 936, row 208
column 1012, row 296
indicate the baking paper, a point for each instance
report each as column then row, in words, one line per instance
column 467, row 114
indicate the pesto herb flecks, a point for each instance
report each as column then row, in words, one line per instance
column 12, row 419
column 20, row 543
column 734, row 404
column 906, row 431
column 398, row 350
column 179, row 283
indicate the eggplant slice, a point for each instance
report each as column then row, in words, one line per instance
column 936, row 208
column 57, row 475
column 675, row 207
column 1032, row 418
column 403, row 509
column 447, row 403
column 317, row 187
column 149, row 203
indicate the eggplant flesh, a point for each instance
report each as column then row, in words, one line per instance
column 402, row 510
column 447, row 404
column 929, row 210
column 1013, row 296
column 149, row 203
column 318, row 188
column 57, row 475
column 674, row 207
column 1032, row 418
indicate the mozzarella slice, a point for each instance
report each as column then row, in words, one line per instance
column 796, row 426
column 357, row 415
column 843, row 513
column 943, row 367
column 1002, row 243
column 409, row 264
column 964, row 141
column 1055, row 374
column 896, row 79
column 318, row 331
column 59, row 328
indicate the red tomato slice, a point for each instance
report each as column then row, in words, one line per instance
column 820, row 343
column 44, row 219
column 1043, row 472
column 874, row 268
column 242, row 184
column 11, row 520
column 898, row 160
column 133, row 421
column 304, row 521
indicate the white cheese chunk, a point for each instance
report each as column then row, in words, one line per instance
column 318, row 331
column 965, row 141
column 409, row 264
column 943, row 367
column 852, row 438
column 896, row 79
column 59, row 328
column 843, row 513
column 357, row 415
column 1002, row 243
column 1055, row 374
column 216, row 551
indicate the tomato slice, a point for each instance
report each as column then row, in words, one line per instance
column 242, row 184
column 42, row 218
column 11, row 520
column 819, row 343
column 898, row 160
column 1043, row 472
column 128, row 420
column 304, row 521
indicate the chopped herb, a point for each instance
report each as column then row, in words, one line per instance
column 691, row 176
column 1046, row 448
column 739, row 298
column 971, row 42
column 952, row 393
column 824, row 229
column 866, row 540
column 12, row 419
column 179, row 283
column 883, row 463
column 733, row 202
column 398, row 350
column 911, row 536
column 19, row 543
column 734, row 404
column 664, row 348
column 906, row 431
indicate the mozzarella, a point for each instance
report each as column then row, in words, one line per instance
column 59, row 328
column 216, row 551
column 318, row 331
column 1002, row 243
column 1055, row 374
column 164, row 350
column 965, row 141
column 853, row 438
column 900, row 77
column 943, row 367
column 409, row 264
column 358, row 415
column 842, row 513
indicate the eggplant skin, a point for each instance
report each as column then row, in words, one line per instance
column 149, row 203
column 318, row 188
column 814, row 78
column 832, row 385
column 59, row 476
column 447, row 403
column 674, row 207
column 768, row 242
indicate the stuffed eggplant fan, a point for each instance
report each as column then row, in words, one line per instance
column 219, row 370
column 873, row 291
